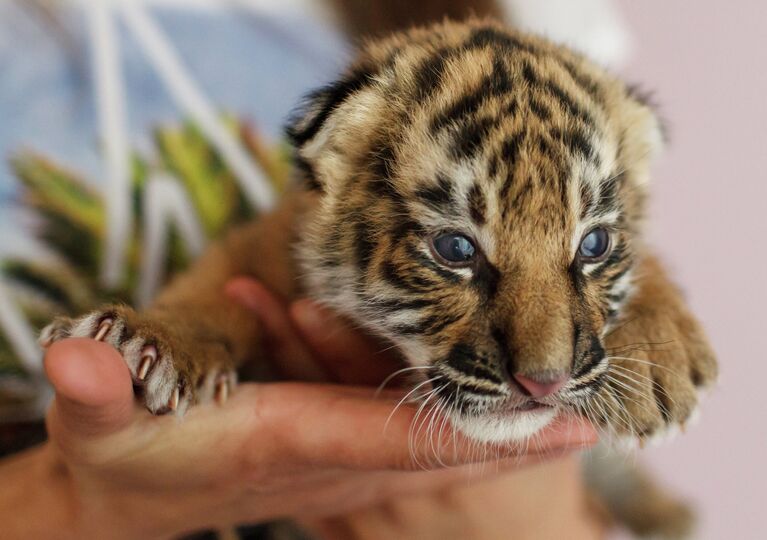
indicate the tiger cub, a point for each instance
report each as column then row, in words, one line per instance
column 474, row 195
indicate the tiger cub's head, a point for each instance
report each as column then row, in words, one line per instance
column 481, row 197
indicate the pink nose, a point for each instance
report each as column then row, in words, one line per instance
column 539, row 387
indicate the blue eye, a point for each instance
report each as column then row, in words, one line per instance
column 595, row 245
column 454, row 248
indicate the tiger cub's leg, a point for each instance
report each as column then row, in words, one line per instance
column 630, row 497
column 660, row 361
column 187, row 346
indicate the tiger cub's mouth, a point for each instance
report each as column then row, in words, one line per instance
column 505, row 424
column 529, row 406
column 493, row 410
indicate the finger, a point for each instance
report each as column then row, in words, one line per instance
column 349, row 355
column 94, row 394
column 294, row 360
column 398, row 483
column 321, row 425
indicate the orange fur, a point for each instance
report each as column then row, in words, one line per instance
column 522, row 147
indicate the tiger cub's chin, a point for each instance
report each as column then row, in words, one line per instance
column 499, row 427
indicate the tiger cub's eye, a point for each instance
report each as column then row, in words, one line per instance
column 595, row 245
column 454, row 248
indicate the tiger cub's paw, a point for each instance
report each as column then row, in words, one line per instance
column 659, row 367
column 171, row 368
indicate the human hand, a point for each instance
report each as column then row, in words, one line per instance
column 274, row 450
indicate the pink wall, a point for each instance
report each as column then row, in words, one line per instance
column 708, row 63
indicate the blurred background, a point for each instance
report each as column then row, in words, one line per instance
column 133, row 132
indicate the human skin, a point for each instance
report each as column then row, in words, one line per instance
column 298, row 449
column 542, row 501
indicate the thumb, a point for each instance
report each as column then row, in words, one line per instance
column 94, row 394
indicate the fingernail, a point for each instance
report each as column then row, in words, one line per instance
column 588, row 436
column 248, row 298
column 248, row 294
column 580, row 434
column 308, row 315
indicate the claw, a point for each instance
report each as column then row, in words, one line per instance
column 143, row 369
column 148, row 356
column 47, row 342
column 222, row 391
column 174, row 399
column 103, row 330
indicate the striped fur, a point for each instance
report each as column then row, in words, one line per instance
column 519, row 143
column 506, row 138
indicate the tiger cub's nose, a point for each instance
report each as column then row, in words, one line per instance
column 542, row 385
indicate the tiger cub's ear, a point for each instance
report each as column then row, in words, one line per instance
column 332, row 126
column 645, row 134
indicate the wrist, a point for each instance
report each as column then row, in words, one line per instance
column 38, row 496
column 42, row 494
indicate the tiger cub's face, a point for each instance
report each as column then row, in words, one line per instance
column 481, row 192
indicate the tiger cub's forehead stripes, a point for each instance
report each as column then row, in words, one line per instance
column 494, row 99
column 486, row 94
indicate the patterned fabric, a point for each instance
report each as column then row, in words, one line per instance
column 252, row 66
